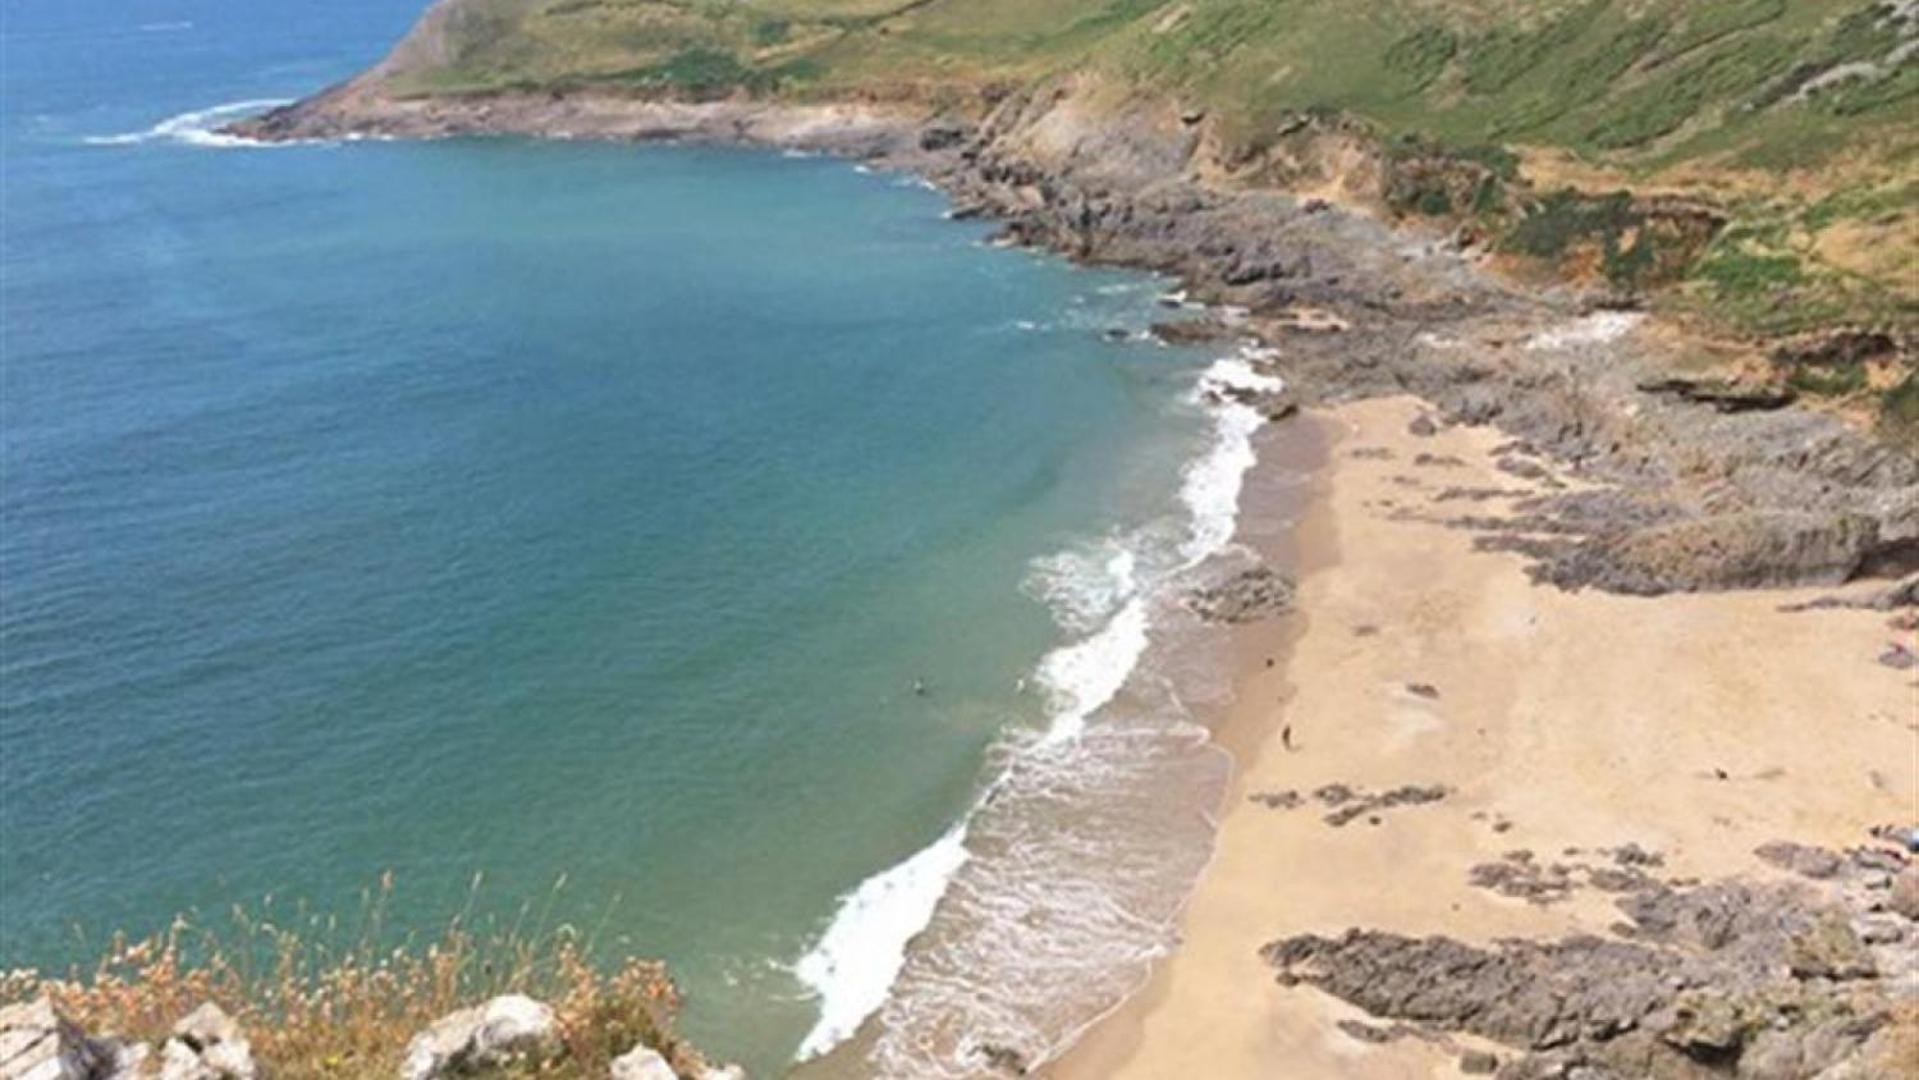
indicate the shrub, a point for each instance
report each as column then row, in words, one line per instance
column 314, row 1007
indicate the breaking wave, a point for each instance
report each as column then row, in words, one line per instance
column 1043, row 905
column 197, row 128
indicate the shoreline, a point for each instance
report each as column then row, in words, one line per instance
column 1514, row 736
column 1645, row 493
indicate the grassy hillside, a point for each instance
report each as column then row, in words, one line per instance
column 1645, row 84
column 1797, row 119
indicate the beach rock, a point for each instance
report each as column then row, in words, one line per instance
column 1247, row 596
column 722, row 1072
column 207, row 1045
column 484, row 1036
column 642, row 1063
column 1727, row 979
column 1478, row 1063
column 1812, row 862
column 1903, row 895
column 1191, row 331
column 1003, row 1060
column 1355, row 804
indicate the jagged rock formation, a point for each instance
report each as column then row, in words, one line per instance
column 1775, row 980
column 1706, row 485
column 36, row 1043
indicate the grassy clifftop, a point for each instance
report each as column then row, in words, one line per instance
column 1797, row 121
column 1642, row 84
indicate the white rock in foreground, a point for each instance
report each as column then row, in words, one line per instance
column 207, row 1045
column 38, row 1044
column 480, row 1037
column 642, row 1063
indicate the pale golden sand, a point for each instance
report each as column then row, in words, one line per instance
column 1584, row 721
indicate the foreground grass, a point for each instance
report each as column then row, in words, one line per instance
column 323, row 1000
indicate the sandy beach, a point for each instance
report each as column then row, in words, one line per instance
column 1694, row 726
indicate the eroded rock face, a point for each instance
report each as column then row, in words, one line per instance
column 1777, row 980
column 508, row 1027
column 1728, row 487
column 36, row 1043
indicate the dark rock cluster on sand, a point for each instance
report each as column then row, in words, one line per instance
column 1808, row 976
column 1250, row 595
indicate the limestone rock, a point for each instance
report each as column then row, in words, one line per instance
column 37, row 1043
column 642, row 1063
column 207, row 1045
column 482, row 1036
column 1812, row 862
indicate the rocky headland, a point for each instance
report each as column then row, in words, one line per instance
column 1500, row 419
column 1703, row 483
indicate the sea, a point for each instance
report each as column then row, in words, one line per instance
column 717, row 551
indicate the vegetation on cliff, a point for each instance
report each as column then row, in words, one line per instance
column 322, row 996
column 1752, row 160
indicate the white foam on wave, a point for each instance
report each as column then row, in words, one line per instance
column 854, row 963
column 165, row 27
column 197, row 128
column 1211, row 486
column 1103, row 595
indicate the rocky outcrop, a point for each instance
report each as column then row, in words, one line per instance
column 1774, row 980
column 207, row 1045
column 37, row 1043
column 1704, row 485
column 1250, row 595
column 508, row 1028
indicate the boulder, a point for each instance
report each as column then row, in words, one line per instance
column 642, row 1063
column 480, row 1037
column 1903, row 897
column 207, row 1045
column 37, row 1043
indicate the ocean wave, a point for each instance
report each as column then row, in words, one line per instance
column 197, row 128
column 855, row 962
column 165, row 27
column 1211, row 486
column 1061, row 883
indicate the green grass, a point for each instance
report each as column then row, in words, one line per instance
column 1451, row 87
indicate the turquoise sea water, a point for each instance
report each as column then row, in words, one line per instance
column 544, row 509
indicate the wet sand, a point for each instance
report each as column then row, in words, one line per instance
column 1696, row 726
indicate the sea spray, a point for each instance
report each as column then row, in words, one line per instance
column 200, row 127
column 1059, row 886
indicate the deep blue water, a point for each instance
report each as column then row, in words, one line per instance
column 537, row 509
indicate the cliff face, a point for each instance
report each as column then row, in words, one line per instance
column 1718, row 476
column 1791, row 120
